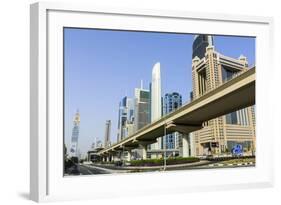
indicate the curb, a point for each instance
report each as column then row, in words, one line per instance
column 236, row 164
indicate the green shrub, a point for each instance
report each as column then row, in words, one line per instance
column 159, row 162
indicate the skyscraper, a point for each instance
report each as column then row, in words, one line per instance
column 107, row 133
column 126, row 118
column 142, row 108
column 200, row 43
column 75, row 135
column 156, row 100
column 141, row 113
column 223, row 133
column 172, row 101
column 156, row 106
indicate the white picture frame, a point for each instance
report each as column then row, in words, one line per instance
column 46, row 178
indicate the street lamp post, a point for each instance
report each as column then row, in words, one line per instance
column 165, row 137
column 123, row 157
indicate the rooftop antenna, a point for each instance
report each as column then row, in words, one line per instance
column 141, row 84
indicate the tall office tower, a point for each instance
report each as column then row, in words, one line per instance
column 200, row 43
column 142, row 108
column 75, row 135
column 126, row 118
column 221, row 134
column 107, row 133
column 156, row 101
column 156, row 107
column 172, row 101
column 141, row 114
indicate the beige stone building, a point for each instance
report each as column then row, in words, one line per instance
column 220, row 135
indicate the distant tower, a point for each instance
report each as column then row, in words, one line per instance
column 156, row 107
column 172, row 101
column 156, row 100
column 75, row 135
column 99, row 144
column 107, row 133
column 94, row 144
column 200, row 43
column 142, row 108
column 125, row 118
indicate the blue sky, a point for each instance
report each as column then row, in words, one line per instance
column 102, row 66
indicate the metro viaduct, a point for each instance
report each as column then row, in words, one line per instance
column 231, row 96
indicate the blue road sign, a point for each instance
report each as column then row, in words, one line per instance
column 237, row 150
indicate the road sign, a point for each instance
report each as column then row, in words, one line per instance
column 237, row 150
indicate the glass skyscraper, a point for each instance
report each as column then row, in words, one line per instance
column 142, row 108
column 200, row 43
column 125, row 118
column 172, row 101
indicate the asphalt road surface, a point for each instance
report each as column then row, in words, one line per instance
column 81, row 169
column 90, row 170
column 84, row 170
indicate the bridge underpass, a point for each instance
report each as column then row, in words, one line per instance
column 231, row 96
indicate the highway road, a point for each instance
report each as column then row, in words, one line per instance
column 85, row 170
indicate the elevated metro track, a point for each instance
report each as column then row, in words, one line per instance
column 233, row 95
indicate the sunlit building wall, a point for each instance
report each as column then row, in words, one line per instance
column 220, row 134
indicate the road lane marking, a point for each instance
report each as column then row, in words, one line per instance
column 87, row 169
column 110, row 171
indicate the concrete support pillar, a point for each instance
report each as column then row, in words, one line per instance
column 115, row 157
column 144, row 151
column 119, row 156
column 153, row 156
column 192, row 144
column 129, row 155
column 185, row 145
column 122, row 157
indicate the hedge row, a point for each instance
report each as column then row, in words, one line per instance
column 159, row 162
